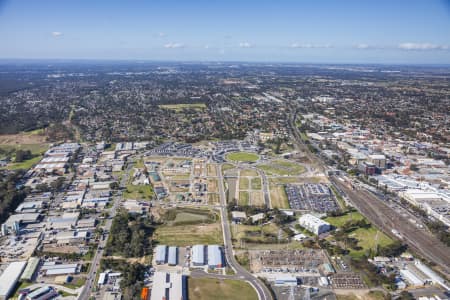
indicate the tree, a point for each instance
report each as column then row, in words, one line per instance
column 114, row 185
column 22, row 155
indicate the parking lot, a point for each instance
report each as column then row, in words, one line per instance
column 311, row 196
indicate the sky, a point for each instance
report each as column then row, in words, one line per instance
column 315, row 31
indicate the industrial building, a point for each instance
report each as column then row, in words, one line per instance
column 215, row 257
column 198, row 255
column 45, row 292
column 172, row 258
column 168, row 286
column 9, row 278
column 314, row 224
column 51, row 268
column 378, row 160
column 161, row 254
column 31, row 269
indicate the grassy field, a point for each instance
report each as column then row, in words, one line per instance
column 368, row 238
column 138, row 192
column 244, row 198
column 217, row 289
column 243, row 156
column 37, row 150
column 256, row 183
column 226, row 167
column 181, row 106
column 187, row 235
column 278, row 196
column 243, row 183
column 213, row 199
column 249, row 172
column 341, row 220
column 282, row 168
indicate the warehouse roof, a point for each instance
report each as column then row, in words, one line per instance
column 9, row 277
column 198, row 254
column 32, row 265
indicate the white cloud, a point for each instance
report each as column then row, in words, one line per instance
column 161, row 34
column 362, row 46
column 310, row 46
column 56, row 34
column 245, row 45
column 174, row 45
column 422, row 46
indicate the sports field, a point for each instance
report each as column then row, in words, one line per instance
column 243, row 156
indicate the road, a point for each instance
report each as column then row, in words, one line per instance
column 387, row 219
column 85, row 293
column 261, row 289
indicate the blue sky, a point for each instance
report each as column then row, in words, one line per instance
column 340, row 31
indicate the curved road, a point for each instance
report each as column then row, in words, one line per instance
column 241, row 272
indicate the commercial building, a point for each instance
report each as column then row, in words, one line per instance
column 161, row 254
column 215, row 257
column 314, row 224
column 198, row 255
column 59, row 269
column 9, row 278
column 168, row 286
column 172, row 258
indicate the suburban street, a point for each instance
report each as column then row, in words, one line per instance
column 241, row 272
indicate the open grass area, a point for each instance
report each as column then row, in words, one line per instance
column 181, row 106
column 243, row 183
column 256, row 183
column 278, row 196
column 219, row 289
column 138, row 192
column 282, row 167
column 37, row 150
column 341, row 220
column 213, row 198
column 243, row 156
column 249, row 172
column 369, row 238
column 254, row 233
column 244, row 198
column 187, row 235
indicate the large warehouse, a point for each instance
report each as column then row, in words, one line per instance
column 172, row 259
column 161, row 254
column 314, row 224
column 168, row 286
column 198, row 255
column 215, row 257
column 9, row 278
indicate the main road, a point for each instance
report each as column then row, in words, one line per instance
column 85, row 293
column 261, row 289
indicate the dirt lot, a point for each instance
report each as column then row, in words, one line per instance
column 22, row 138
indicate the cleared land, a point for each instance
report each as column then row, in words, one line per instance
column 249, row 172
column 218, row 289
column 243, row 156
column 243, row 198
column 188, row 226
column 256, row 183
column 282, row 168
column 187, row 235
column 181, row 106
column 243, row 183
column 211, row 170
column 256, row 198
column 278, row 196
column 213, row 198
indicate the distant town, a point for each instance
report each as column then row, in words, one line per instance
column 224, row 181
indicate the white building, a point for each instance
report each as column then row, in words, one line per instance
column 9, row 278
column 314, row 224
column 168, row 286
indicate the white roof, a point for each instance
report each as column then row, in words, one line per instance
column 238, row 215
column 170, row 283
column 9, row 277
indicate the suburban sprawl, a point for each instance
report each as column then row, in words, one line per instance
column 206, row 181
